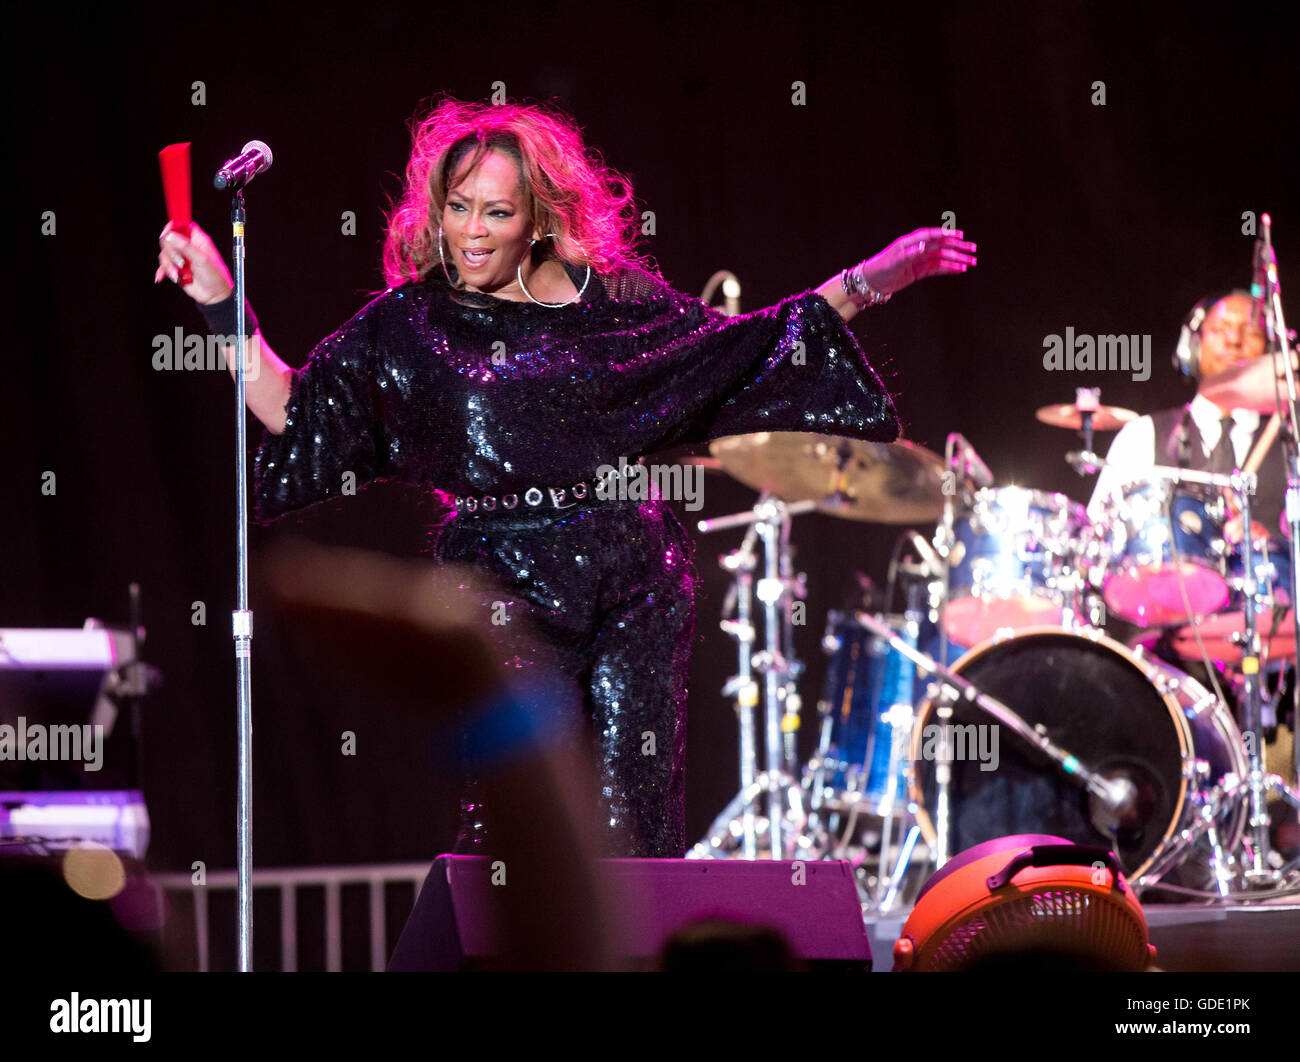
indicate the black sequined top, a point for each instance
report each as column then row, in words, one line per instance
column 422, row 388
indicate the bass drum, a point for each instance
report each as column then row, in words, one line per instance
column 1118, row 711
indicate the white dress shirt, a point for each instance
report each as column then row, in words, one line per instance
column 1132, row 451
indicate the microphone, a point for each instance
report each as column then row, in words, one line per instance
column 730, row 291
column 972, row 464
column 1259, row 278
column 237, row 172
column 731, row 296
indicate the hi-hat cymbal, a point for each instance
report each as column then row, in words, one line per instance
column 888, row 483
column 1247, row 385
column 1068, row 415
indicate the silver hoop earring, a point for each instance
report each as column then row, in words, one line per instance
column 519, row 276
column 450, row 283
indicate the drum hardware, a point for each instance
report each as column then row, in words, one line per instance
column 1203, row 840
column 1085, row 416
column 1208, row 803
column 961, row 465
column 1138, row 724
column 1015, row 563
column 1165, row 551
column 1222, row 636
column 727, row 832
column 1015, row 557
column 1233, row 789
column 1163, row 536
column 1256, row 870
column 796, row 472
column 777, row 589
column 868, row 703
column 1249, row 585
column 855, row 779
column 1085, row 413
column 1112, row 798
column 1115, row 795
column 1278, row 344
column 866, row 724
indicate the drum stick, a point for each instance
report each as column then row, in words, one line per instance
column 1256, row 457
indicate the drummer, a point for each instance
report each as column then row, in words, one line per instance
column 1218, row 334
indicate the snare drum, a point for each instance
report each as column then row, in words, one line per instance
column 1167, row 561
column 1014, row 561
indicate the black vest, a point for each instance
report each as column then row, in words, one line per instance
column 1179, row 443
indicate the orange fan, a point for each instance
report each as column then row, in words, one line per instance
column 1026, row 902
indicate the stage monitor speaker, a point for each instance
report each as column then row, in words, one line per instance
column 670, row 914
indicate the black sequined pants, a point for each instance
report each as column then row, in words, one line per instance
column 608, row 591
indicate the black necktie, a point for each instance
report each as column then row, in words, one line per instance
column 1222, row 457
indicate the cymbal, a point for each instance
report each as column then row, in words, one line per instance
column 709, row 464
column 1068, row 415
column 887, row 483
column 1247, row 385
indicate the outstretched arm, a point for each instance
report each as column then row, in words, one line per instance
column 923, row 253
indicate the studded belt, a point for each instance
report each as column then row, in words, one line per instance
column 531, row 498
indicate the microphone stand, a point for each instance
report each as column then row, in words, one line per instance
column 242, row 616
column 1278, row 339
column 961, row 461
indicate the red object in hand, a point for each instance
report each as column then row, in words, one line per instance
column 174, row 162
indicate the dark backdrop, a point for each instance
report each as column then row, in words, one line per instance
column 1112, row 219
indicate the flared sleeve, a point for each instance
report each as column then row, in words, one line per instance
column 793, row 366
column 808, row 374
column 334, row 439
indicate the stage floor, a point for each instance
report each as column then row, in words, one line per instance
column 1255, row 938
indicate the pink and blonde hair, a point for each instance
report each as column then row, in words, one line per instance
column 567, row 188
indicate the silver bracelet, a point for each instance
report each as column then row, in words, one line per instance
column 863, row 294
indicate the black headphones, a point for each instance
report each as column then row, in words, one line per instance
column 1187, row 355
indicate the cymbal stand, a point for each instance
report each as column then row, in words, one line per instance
column 791, row 587
column 741, row 685
column 1258, row 870
column 769, row 521
column 961, row 463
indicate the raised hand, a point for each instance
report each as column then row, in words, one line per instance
column 919, row 254
column 210, row 278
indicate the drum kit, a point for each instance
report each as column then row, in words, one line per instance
column 993, row 694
